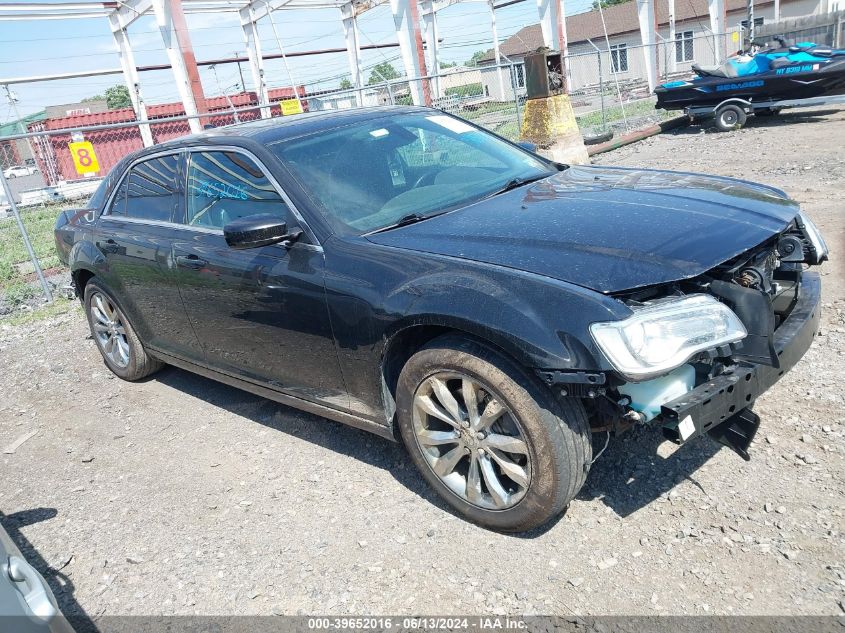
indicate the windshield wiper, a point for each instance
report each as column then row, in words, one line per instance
column 405, row 220
column 518, row 182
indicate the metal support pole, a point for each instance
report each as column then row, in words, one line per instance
column 431, row 42
column 717, row 26
column 48, row 296
column 171, row 23
column 256, row 61
column 353, row 48
column 496, row 51
column 645, row 14
column 410, row 44
column 672, row 35
column 564, row 45
column 130, row 76
column 548, row 11
column 751, row 29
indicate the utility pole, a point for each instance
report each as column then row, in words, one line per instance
column 13, row 102
column 225, row 93
column 240, row 71
column 751, row 28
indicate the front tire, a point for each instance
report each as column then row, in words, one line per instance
column 489, row 437
column 115, row 337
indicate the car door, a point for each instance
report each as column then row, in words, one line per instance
column 261, row 313
column 134, row 234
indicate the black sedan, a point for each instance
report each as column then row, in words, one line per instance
column 405, row 272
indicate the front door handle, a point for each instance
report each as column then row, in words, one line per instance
column 190, row 261
column 109, row 246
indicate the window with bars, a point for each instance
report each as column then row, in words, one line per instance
column 519, row 69
column 684, row 46
column 619, row 58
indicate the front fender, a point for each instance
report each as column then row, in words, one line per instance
column 540, row 322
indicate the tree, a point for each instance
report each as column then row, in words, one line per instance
column 607, row 3
column 381, row 72
column 477, row 55
column 448, row 65
column 345, row 84
column 116, row 97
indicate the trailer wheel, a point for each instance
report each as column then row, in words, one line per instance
column 730, row 117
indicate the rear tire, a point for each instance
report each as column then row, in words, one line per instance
column 730, row 117
column 513, row 463
column 115, row 337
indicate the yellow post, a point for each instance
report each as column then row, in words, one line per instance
column 549, row 123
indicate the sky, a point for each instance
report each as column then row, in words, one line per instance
column 57, row 46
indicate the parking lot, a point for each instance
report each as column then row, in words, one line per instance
column 179, row 495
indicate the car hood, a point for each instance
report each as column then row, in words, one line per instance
column 606, row 228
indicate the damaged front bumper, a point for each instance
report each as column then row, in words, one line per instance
column 720, row 407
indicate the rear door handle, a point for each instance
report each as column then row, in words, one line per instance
column 190, row 261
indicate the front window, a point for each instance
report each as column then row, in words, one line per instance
column 224, row 186
column 684, row 45
column 372, row 174
column 619, row 58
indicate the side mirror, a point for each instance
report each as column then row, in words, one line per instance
column 254, row 231
column 529, row 146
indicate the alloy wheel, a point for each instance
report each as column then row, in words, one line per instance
column 471, row 441
column 109, row 329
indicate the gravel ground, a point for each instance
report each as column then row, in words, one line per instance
column 179, row 496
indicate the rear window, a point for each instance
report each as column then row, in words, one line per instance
column 150, row 191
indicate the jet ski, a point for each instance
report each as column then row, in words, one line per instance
column 763, row 77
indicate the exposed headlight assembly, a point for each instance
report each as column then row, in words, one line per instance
column 812, row 234
column 662, row 336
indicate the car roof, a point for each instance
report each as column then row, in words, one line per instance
column 266, row 131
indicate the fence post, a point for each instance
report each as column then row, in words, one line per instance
column 601, row 92
column 516, row 100
column 14, row 207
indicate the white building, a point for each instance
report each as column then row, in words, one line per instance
column 694, row 42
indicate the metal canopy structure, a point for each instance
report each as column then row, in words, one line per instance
column 170, row 19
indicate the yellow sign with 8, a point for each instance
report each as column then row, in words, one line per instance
column 84, row 158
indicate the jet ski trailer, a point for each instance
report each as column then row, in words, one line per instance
column 732, row 114
column 804, row 75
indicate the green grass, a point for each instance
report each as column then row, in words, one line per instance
column 468, row 90
column 60, row 305
column 15, row 265
column 614, row 114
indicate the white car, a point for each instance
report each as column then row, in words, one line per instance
column 19, row 170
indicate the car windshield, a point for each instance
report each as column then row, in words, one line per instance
column 375, row 174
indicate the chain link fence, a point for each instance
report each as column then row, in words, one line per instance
column 57, row 163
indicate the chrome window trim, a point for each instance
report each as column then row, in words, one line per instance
column 314, row 245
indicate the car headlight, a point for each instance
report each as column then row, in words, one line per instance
column 664, row 335
column 814, row 237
